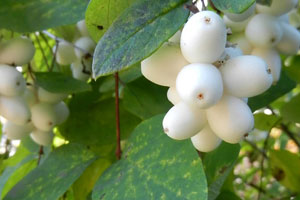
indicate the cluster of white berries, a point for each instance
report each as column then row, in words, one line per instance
column 210, row 80
column 266, row 32
column 79, row 54
column 26, row 109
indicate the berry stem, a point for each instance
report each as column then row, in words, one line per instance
column 41, row 152
column 118, row 149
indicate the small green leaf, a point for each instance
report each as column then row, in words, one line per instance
column 100, row 14
column 233, row 6
column 291, row 110
column 38, row 15
column 55, row 175
column 265, row 122
column 292, row 69
column 218, row 164
column 154, row 166
column 60, row 83
column 145, row 99
column 285, row 166
column 138, row 32
column 284, row 86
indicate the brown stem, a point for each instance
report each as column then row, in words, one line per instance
column 118, row 149
column 42, row 50
column 203, row 5
column 41, row 152
column 290, row 134
column 214, row 7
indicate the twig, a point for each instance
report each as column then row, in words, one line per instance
column 46, row 41
column 41, row 152
column 203, row 5
column 118, row 149
column 290, row 134
column 42, row 50
column 54, row 55
column 254, row 146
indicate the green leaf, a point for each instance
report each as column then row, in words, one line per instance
column 55, row 175
column 154, row 166
column 233, row 6
column 125, row 76
column 265, row 122
column 284, row 86
column 218, row 164
column 60, row 83
column 92, row 122
column 14, row 174
column 138, row 32
column 291, row 110
column 83, row 187
column 145, row 99
column 264, row 2
column 292, row 67
column 227, row 195
column 285, row 166
column 100, row 14
column 38, row 15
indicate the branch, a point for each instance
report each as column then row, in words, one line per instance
column 41, row 152
column 291, row 135
column 118, row 149
column 42, row 50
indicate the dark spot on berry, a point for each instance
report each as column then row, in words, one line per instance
column 269, row 71
column 273, row 40
column 200, row 96
column 166, row 130
column 18, row 83
column 207, row 20
column 50, row 123
column 246, row 135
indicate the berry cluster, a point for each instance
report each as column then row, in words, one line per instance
column 266, row 32
column 210, row 80
column 78, row 54
column 26, row 107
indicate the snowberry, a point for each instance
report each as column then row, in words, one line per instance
column 294, row 18
column 231, row 52
column 43, row 138
column 241, row 42
column 231, row 119
column 81, row 26
column 183, row 121
column 163, row 66
column 16, row 132
column 273, row 60
column 263, row 30
column 246, row 76
column 65, row 53
column 30, row 95
column 173, row 96
column 62, row 112
column 81, row 69
column 203, row 38
column 206, row 140
column 49, row 97
column 43, row 116
column 200, row 84
column 242, row 16
column 290, row 42
column 12, row 82
column 15, row 109
column 17, row 51
column 278, row 7
column 84, row 46
column 236, row 27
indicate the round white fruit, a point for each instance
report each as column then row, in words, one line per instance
column 294, row 18
column 290, row 42
column 84, row 46
column 43, row 138
column 16, row 132
column 231, row 52
column 49, row 97
column 17, row 51
column 81, row 26
column 12, row 83
column 163, row 66
column 236, row 27
column 206, row 140
column 43, row 116
column 231, row 119
column 278, row 7
column 242, row 16
column 241, row 42
column 273, row 60
column 173, row 96
column 65, row 54
column 15, row 109
column 246, row 76
column 284, row 18
column 81, row 69
column 183, row 121
column 62, row 112
column 203, row 38
column 30, row 95
column 264, row 31
column 200, row 84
